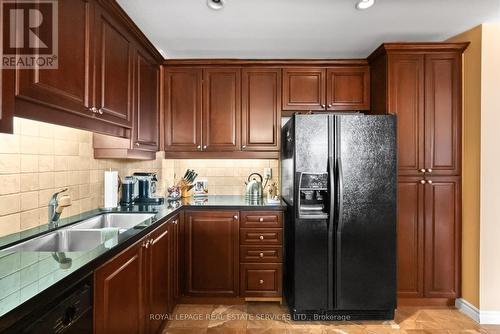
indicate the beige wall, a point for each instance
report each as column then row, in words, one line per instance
column 490, row 170
column 40, row 158
column 471, row 146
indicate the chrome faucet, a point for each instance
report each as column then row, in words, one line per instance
column 56, row 207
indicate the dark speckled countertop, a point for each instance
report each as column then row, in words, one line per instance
column 23, row 275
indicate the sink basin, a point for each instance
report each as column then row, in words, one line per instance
column 122, row 221
column 68, row 240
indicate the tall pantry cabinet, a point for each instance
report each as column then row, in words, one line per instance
column 421, row 85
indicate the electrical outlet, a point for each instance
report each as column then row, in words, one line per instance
column 268, row 173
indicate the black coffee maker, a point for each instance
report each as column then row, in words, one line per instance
column 145, row 188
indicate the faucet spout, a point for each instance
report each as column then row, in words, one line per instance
column 56, row 206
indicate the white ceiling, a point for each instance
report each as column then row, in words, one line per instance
column 300, row 28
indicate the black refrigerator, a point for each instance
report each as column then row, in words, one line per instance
column 338, row 179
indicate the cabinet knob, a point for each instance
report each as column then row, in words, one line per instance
column 137, row 144
column 329, row 106
column 198, row 147
column 261, row 219
column 261, row 237
column 175, row 222
column 235, row 217
column 261, row 254
column 429, row 182
column 244, row 146
column 261, row 281
column 93, row 110
column 323, row 106
column 204, row 147
column 422, row 181
column 99, row 111
column 429, row 170
column 422, row 170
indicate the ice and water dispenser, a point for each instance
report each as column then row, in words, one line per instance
column 313, row 196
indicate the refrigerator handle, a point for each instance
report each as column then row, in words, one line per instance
column 340, row 194
column 332, row 193
column 331, row 227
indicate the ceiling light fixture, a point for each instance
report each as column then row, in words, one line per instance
column 215, row 4
column 364, row 4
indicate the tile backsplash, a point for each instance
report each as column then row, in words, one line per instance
column 40, row 158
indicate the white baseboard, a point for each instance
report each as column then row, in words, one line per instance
column 482, row 317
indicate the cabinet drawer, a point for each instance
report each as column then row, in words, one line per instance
column 261, row 219
column 261, row 236
column 261, row 280
column 265, row 254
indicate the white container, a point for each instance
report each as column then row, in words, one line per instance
column 110, row 189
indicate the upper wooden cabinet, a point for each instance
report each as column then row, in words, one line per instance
column 146, row 110
column 211, row 250
column 7, row 87
column 183, row 105
column 348, row 88
column 114, row 69
column 332, row 89
column 261, row 114
column 423, row 89
column 221, row 109
column 304, row 89
column 93, row 86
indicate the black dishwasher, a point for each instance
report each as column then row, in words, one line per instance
column 68, row 313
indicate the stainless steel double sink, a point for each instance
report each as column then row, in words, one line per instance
column 85, row 235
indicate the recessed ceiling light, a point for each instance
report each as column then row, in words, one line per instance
column 364, row 4
column 215, row 4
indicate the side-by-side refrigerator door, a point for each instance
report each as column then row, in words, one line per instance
column 365, row 276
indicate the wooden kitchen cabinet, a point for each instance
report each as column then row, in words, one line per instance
column 261, row 115
column 7, row 87
column 183, row 109
column 331, row 89
column 221, row 109
column 442, row 237
column 348, row 88
column 138, row 282
column 211, row 253
column 119, row 293
column 421, row 84
column 114, row 69
column 304, row 89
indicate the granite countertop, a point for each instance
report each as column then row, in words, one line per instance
column 23, row 275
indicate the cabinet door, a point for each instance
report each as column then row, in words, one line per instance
column 406, row 100
column 67, row 88
column 182, row 101
column 442, row 237
column 175, row 262
column 159, row 275
column 261, row 95
column 303, row 89
column 113, row 68
column 443, row 113
column 7, row 87
column 146, row 103
column 211, row 241
column 410, row 234
column 119, row 294
column 348, row 88
column 221, row 109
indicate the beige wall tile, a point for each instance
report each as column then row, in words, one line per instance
column 10, row 224
column 9, row 204
column 46, row 180
column 29, row 163
column 29, row 200
column 44, row 196
column 10, row 163
column 9, row 184
column 65, row 147
column 45, row 163
column 29, row 219
column 9, row 143
column 29, row 145
column 46, row 146
column 29, row 127
column 29, row 182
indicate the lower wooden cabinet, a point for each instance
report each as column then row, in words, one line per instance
column 137, row 287
column 119, row 293
column 261, row 280
column 211, row 253
column 429, row 237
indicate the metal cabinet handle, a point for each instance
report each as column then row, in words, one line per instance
column 261, row 281
column 261, row 237
column 329, row 106
column 261, row 254
column 323, row 106
column 422, row 181
column 422, row 170
column 244, row 146
column 204, row 147
column 235, row 217
column 99, row 111
column 429, row 182
column 198, row 147
column 429, row 170
column 261, row 219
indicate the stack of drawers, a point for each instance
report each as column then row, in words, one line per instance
column 261, row 254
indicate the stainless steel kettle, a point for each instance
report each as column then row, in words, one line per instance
column 254, row 187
